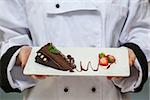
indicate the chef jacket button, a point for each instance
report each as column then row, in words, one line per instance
column 57, row 6
column 93, row 89
column 66, row 89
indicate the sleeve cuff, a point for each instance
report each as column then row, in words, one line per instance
column 15, row 82
column 141, row 62
column 18, row 80
column 4, row 62
column 128, row 84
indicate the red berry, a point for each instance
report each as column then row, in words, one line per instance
column 111, row 59
column 103, row 61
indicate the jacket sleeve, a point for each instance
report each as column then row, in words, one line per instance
column 136, row 36
column 14, row 34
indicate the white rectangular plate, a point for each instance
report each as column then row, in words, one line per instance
column 120, row 68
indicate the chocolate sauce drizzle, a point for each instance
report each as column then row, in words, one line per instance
column 89, row 65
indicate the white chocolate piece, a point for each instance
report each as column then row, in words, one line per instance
column 45, row 59
column 42, row 56
column 39, row 54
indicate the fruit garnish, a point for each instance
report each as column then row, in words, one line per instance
column 101, row 55
column 111, row 59
column 103, row 61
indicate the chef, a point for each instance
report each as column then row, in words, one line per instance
column 73, row 23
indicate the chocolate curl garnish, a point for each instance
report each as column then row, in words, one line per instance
column 109, row 65
column 71, row 59
column 68, row 56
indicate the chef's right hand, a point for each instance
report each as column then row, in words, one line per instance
column 22, row 58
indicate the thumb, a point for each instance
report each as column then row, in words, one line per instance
column 24, row 59
column 24, row 55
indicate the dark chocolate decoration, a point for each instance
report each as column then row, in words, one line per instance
column 89, row 65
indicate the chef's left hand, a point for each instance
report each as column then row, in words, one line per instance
column 132, row 58
column 22, row 58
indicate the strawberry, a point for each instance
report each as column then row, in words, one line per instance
column 111, row 59
column 103, row 61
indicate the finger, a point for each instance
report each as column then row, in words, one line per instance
column 39, row 76
column 114, row 78
column 131, row 60
column 24, row 54
column 132, row 57
column 24, row 61
column 117, row 78
column 109, row 77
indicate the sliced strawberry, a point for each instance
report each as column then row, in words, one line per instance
column 103, row 61
column 111, row 59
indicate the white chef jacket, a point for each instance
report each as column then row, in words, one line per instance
column 74, row 23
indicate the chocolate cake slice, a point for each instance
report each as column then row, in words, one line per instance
column 49, row 56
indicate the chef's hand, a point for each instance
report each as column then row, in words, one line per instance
column 132, row 58
column 22, row 58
